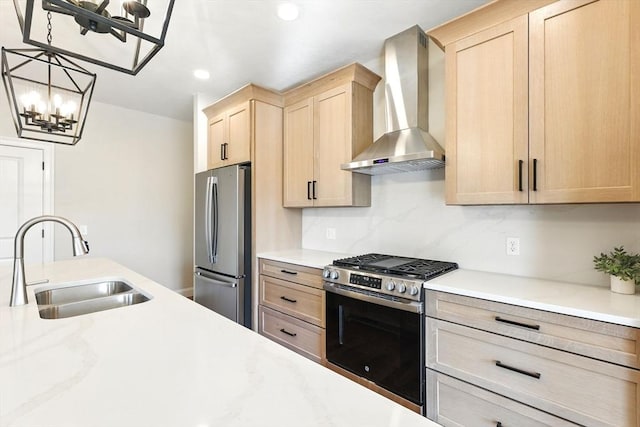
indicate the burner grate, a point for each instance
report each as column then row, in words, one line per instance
column 360, row 260
column 401, row 266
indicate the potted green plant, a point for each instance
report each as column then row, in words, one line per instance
column 624, row 269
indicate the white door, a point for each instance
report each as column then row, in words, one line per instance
column 21, row 198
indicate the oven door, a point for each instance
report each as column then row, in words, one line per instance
column 382, row 343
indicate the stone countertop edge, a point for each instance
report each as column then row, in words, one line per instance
column 306, row 257
column 165, row 362
column 586, row 301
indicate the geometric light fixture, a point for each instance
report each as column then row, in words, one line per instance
column 122, row 35
column 48, row 94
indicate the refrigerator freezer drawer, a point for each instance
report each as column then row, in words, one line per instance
column 220, row 294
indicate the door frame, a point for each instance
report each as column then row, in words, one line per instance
column 47, row 188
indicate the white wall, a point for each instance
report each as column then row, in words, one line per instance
column 408, row 217
column 129, row 180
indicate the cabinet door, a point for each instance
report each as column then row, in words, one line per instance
column 486, row 124
column 298, row 154
column 584, row 113
column 332, row 139
column 238, row 149
column 216, row 137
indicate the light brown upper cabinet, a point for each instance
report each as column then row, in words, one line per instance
column 541, row 106
column 229, row 137
column 326, row 123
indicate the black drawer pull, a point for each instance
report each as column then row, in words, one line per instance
column 288, row 299
column 535, row 174
column 520, row 163
column 291, row 334
column 308, row 190
column 514, row 323
column 535, row 375
column 314, row 190
column 293, row 273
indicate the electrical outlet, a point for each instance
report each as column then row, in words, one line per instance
column 331, row 233
column 513, row 246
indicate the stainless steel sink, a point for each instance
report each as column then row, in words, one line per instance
column 59, row 303
column 94, row 305
column 81, row 292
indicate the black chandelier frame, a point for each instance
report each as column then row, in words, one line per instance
column 28, row 123
column 114, row 24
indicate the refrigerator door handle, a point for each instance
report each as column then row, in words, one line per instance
column 217, row 282
column 214, row 234
column 207, row 220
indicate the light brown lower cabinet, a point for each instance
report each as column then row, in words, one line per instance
column 509, row 360
column 291, row 307
column 454, row 403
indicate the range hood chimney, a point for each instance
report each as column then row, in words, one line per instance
column 407, row 145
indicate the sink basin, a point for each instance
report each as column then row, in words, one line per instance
column 81, row 292
column 69, row 301
column 94, row 305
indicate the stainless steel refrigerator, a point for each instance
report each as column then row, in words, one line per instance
column 222, row 278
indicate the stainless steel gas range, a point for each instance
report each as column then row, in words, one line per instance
column 375, row 320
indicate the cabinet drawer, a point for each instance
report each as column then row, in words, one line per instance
column 301, row 301
column 481, row 408
column 577, row 388
column 292, row 272
column 299, row 336
column 600, row 340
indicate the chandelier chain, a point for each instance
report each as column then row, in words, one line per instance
column 49, row 38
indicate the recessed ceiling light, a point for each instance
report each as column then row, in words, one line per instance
column 287, row 11
column 201, row 74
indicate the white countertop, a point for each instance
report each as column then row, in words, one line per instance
column 591, row 302
column 165, row 362
column 307, row 257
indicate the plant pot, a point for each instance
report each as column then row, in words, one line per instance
column 620, row 286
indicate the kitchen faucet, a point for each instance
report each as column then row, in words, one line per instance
column 18, row 287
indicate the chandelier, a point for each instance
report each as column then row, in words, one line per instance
column 48, row 93
column 136, row 31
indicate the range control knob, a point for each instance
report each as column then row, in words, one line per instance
column 391, row 285
column 402, row 287
column 413, row 290
column 334, row 275
column 326, row 273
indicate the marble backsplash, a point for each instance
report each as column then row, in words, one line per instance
column 408, row 217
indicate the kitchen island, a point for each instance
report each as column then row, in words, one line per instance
column 164, row 362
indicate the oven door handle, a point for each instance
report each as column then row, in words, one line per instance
column 340, row 324
column 410, row 306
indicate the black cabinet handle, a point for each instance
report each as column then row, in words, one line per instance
column 514, row 323
column 308, row 190
column 314, row 190
column 535, row 375
column 289, row 272
column 221, row 151
column 535, row 174
column 226, row 150
column 291, row 334
column 520, row 163
column 288, row 299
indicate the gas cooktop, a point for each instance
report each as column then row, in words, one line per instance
column 424, row 269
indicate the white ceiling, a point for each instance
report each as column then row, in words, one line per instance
column 243, row 41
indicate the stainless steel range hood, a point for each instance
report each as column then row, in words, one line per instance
column 407, row 145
